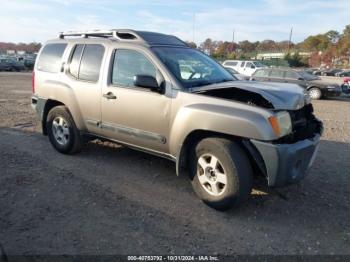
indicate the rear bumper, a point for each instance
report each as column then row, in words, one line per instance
column 38, row 105
column 287, row 163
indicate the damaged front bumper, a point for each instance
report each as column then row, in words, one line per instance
column 287, row 163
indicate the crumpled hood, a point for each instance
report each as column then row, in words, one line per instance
column 281, row 95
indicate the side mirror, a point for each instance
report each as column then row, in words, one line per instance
column 148, row 81
column 252, row 67
column 301, row 79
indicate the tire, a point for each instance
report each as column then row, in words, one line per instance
column 62, row 131
column 315, row 93
column 230, row 183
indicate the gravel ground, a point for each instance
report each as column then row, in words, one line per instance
column 112, row 200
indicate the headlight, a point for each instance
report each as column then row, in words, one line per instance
column 281, row 123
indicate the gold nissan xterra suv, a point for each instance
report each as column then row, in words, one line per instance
column 152, row 92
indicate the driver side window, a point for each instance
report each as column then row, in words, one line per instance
column 127, row 64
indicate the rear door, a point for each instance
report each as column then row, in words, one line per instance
column 84, row 77
column 249, row 68
column 276, row 75
column 240, row 67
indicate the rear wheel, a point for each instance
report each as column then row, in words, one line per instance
column 221, row 173
column 62, row 131
column 315, row 93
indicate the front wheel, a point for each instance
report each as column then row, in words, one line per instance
column 221, row 173
column 62, row 131
column 315, row 93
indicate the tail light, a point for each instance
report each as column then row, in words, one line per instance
column 33, row 82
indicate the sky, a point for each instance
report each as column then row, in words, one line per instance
column 40, row 20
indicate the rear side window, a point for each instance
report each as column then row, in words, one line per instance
column 91, row 62
column 261, row 73
column 276, row 74
column 291, row 75
column 230, row 63
column 51, row 57
column 85, row 63
column 75, row 60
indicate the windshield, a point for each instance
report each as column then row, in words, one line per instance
column 308, row 76
column 191, row 67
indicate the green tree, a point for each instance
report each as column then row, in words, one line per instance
column 295, row 60
column 191, row 44
column 333, row 36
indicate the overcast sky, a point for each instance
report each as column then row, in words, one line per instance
column 39, row 20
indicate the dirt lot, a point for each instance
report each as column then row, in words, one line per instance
column 113, row 200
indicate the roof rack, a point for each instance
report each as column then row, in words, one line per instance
column 150, row 38
column 120, row 34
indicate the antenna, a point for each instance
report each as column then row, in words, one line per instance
column 194, row 22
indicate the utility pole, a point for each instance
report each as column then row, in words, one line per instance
column 290, row 39
column 233, row 39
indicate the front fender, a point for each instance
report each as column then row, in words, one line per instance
column 246, row 122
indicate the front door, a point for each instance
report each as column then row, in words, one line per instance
column 295, row 78
column 130, row 114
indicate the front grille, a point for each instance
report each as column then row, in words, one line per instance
column 304, row 125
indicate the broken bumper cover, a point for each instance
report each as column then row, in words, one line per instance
column 38, row 105
column 287, row 163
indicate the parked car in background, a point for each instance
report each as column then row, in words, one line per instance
column 311, row 70
column 318, row 72
column 316, row 87
column 4, row 66
column 236, row 74
column 346, row 85
column 12, row 65
column 331, row 72
column 243, row 67
column 343, row 73
column 29, row 63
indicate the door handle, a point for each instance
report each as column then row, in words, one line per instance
column 109, row 95
column 63, row 67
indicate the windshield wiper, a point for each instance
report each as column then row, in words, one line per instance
column 202, row 83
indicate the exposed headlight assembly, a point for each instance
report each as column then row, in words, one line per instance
column 281, row 123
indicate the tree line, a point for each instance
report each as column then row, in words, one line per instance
column 331, row 48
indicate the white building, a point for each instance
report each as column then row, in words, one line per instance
column 280, row 55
